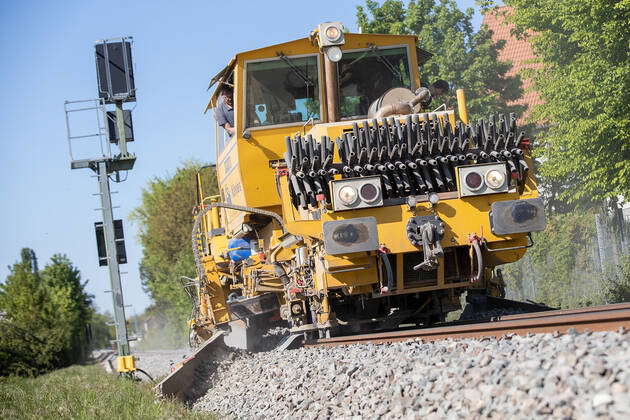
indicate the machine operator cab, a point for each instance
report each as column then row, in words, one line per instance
column 287, row 90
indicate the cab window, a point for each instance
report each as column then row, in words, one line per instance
column 282, row 91
column 365, row 75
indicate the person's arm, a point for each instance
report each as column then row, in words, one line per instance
column 423, row 95
column 229, row 128
column 222, row 119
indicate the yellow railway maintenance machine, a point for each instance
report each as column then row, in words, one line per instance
column 343, row 206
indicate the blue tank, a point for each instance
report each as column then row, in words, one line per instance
column 242, row 251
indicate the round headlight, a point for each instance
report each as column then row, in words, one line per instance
column 495, row 179
column 369, row 193
column 348, row 195
column 334, row 54
column 474, row 181
column 333, row 33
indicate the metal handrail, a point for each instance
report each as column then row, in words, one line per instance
column 530, row 243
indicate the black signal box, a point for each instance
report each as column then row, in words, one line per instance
column 113, row 129
column 119, row 238
column 114, row 70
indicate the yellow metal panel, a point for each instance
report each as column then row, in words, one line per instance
column 218, row 310
column 125, row 364
column 363, row 276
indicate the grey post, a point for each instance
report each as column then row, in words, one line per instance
column 112, row 261
column 120, row 127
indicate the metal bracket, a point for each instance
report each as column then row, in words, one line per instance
column 426, row 231
column 364, row 267
column 530, row 243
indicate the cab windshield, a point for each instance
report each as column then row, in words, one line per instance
column 366, row 75
column 282, row 91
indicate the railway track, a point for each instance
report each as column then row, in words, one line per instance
column 182, row 382
column 598, row 318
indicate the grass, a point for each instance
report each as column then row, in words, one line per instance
column 84, row 392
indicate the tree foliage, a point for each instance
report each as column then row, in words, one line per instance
column 101, row 331
column 560, row 264
column 617, row 287
column 43, row 317
column 466, row 58
column 583, row 79
column 165, row 221
column 563, row 269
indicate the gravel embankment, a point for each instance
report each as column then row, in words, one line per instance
column 578, row 376
column 157, row 363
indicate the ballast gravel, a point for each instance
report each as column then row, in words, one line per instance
column 158, row 363
column 572, row 376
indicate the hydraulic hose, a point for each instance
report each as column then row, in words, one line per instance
column 477, row 248
column 388, row 271
column 204, row 211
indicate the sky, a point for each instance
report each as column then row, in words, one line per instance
column 47, row 51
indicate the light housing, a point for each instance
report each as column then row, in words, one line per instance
column 481, row 179
column 356, row 193
column 517, row 216
column 329, row 34
column 333, row 53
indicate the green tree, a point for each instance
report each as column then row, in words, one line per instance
column 617, row 285
column 583, row 80
column 560, row 266
column 70, row 304
column 165, row 224
column 43, row 316
column 101, row 331
column 466, row 58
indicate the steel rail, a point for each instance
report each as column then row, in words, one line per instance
column 599, row 318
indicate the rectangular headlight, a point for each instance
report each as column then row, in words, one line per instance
column 357, row 193
column 517, row 216
column 351, row 235
column 487, row 178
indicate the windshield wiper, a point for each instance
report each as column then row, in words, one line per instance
column 375, row 51
column 307, row 81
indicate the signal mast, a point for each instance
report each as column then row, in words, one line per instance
column 116, row 86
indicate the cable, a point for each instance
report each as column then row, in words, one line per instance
column 148, row 376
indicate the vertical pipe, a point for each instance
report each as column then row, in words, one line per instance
column 112, row 261
column 120, row 127
column 214, row 216
column 461, row 106
column 332, row 90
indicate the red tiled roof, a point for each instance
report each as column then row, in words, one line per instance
column 517, row 51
